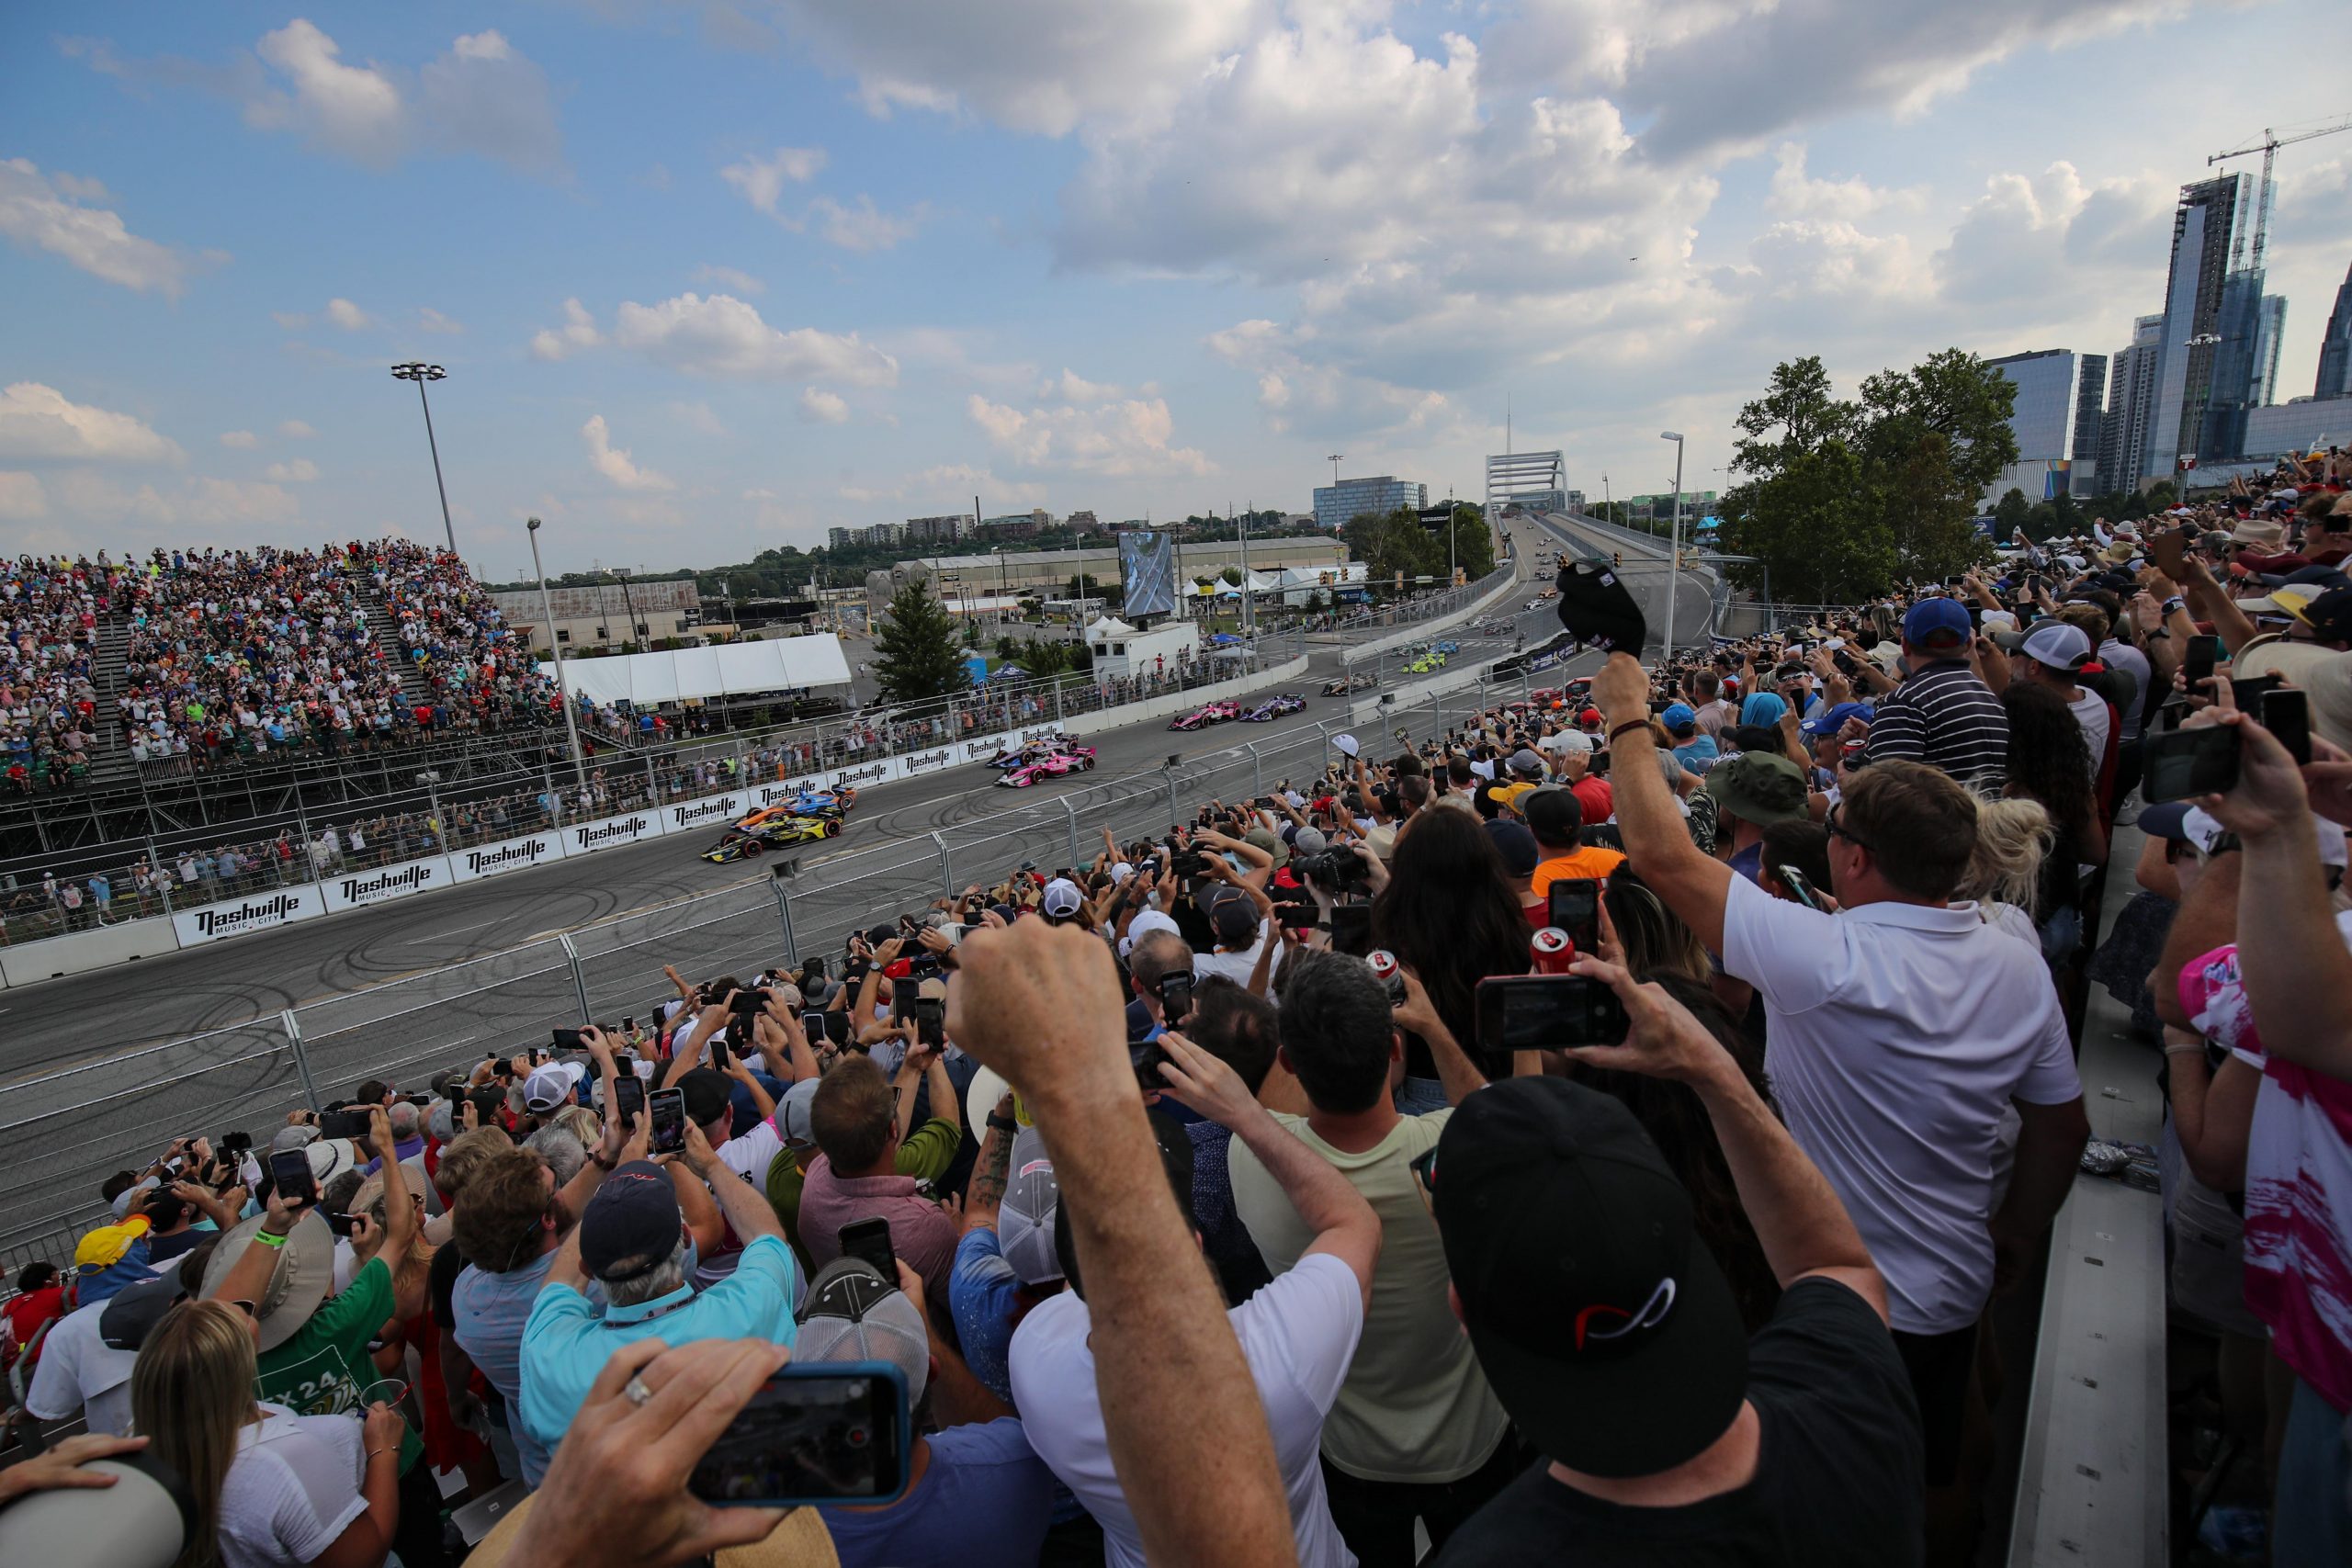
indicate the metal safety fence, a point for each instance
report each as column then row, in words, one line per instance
column 66, row 1129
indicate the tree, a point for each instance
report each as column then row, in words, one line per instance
column 2012, row 513
column 916, row 655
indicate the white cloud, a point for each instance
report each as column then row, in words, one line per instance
column 224, row 502
column 614, row 463
column 348, row 316
column 722, row 336
column 38, row 422
column 51, row 213
column 354, row 110
column 698, row 416
column 819, row 407
column 484, row 96
column 946, row 487
column 296, row 429
column 432, row 321
column 863, row 226
column 1120, row 440
column 762, row 180
column 1072, row 388
column 1032, row 65
column 730, row 279
column 301, row 470
column 91, row 496
column 241, row 439
column 21, row 497
column 578, row 331
column 1795, row 194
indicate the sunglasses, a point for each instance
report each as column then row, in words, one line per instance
column 1837, row 829
column 1424, row 1168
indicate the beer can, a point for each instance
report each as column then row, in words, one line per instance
column 1550, row 952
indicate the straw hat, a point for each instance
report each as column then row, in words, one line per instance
column 799, row 1541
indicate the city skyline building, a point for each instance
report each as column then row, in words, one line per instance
column 2131, row 406
column 2055, row 418
column 1336, row 504
column 2205, row 230
column 2335, row 346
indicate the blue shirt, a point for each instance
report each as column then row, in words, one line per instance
column 985, row 1502
column 490, row 1312
column 567, row 1340
column 980, row 1293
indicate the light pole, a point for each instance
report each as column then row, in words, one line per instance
column 628, row 602
column 1674, row 542
column 1608, row 514
column 555, row 646
column 418, row 371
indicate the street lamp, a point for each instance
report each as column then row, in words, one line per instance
column 555, row 646
column 418, row 371
column 628, row 601
column 1674, row 551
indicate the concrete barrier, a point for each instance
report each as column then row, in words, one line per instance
column 1421, row 631
column 85, row 951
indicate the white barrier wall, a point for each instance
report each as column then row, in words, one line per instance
column 359, row 889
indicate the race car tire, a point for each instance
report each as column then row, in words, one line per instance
column 831, row 827
column 1085, row 764
column 753, row 847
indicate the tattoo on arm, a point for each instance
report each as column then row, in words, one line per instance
column 989, row 1177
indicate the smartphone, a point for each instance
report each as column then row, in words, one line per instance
column 567, row 1039
column 668, row 1107
column 746, row 1003
column 1545, row 1012
column 628, row 1098
column 1351, row 928
column 1799, row 885
column 628, row 1023
column 2248, row 693
column 290, row 1170
column 2169, row 550
column 812, row 1025
column 1576, row 909
column 2198, row 663
column 2182, row 763
column 2287, row 714
column 1176, row 998
column 1146, row 1059
column 930, row 1014
column 828, row 1432
column 340, row 1224
column 718, row 1055
column 870, row 1239
column 343, row 1124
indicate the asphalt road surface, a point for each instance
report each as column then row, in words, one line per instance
column 120, row 1040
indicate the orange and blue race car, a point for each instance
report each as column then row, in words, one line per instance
column 770, row 828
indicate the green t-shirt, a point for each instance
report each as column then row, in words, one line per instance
column 322, row 1368
column 926, row 1155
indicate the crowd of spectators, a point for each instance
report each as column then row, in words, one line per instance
column 1292, row 1188
column 50, row 613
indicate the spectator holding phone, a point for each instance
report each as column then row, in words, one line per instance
column 870, row 1168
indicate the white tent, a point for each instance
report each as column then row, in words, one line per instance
column 647, row 679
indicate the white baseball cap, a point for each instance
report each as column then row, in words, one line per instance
column 1061, row 899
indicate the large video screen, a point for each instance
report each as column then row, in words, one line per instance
column 1147, row 572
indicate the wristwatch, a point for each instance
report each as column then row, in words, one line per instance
column 1003, row 1124
column 2222, row 843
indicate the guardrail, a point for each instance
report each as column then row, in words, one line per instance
column 68, row 1128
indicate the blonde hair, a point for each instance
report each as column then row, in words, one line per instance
column 582, row 1123
column 2014, row 836
column 192, row 1394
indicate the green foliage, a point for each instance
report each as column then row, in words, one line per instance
column 1396, row 541
column 916, row 653
column 1842, row 497
column 2013, row 512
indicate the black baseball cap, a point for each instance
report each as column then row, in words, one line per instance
column 1598, row 1316
column 632, row 1219
column 1598, row 611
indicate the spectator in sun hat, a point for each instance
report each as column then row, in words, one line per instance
column 1751, row 791
column 633, row 1241
column 1005, row 1262
column 2315, row 667
column 1942, row 713
column 1609, row 1332
column 980, row 1496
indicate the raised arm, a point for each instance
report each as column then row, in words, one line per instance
column 1695, row 885
column 1455, row 1071
column 746, row 1207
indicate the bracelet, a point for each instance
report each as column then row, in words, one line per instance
column 1626, row 727
column 1003, row 1124
column 268, row 1237
column 596, row 1158
column 394, row 1450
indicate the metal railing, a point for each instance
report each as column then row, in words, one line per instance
column 66, row 1129
column 171, row 868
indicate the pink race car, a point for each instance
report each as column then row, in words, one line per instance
column 1214, row 712
column 1073, row 759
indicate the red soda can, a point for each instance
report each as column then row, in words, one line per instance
column 1551, row 950
column 1386, row 970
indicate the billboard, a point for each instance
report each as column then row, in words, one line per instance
column 1147, row 572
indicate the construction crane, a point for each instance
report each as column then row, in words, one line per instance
column 2268, row 147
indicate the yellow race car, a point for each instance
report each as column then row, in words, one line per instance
column 770, row 827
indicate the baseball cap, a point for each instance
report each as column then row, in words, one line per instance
column 1346, row 744
column 1235, row 919
column 2166, row 820
column 2058, row 644
column 135, row 1310
column 1309, row 841
column 1589, row 717
column 854, row 1314
column 1680, row 716
column 1597, row 1315
column 1527, row 763
column 1833, row 720
column 631, row 1224
column 1597, row 610
column 1553, row 814
column 1939, row 625
column 293, row 1137
column 2328, row 612
column 550, row 1085
column 791, row 1124
column 1516, row 845
column 1061, row 899
column 1758, row 787
column 1142, row 926
column 709, row 1094
column 1025, row 1219
column 1264, row 839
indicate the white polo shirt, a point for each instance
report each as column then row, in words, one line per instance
column 1897, row 1036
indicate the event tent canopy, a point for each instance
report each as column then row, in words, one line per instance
column 731, row 668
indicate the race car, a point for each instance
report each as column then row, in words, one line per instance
column 1035, row 751
column 1214, row 712
column 1340, row 685
column 1425, row 663
column 809, row 803
column 1075, row 760
column 769, row 829
column 1446, row 648
column 1274, row 707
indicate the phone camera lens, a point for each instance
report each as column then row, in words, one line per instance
column 857, row 1436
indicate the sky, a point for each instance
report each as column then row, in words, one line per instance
column 709, row 276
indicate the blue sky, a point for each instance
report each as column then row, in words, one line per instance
column 708, row 278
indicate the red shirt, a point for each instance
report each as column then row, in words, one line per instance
column 28, row 1312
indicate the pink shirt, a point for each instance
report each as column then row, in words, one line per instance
column 921, row 1232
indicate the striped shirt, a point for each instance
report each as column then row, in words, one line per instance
column 1944, row 715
